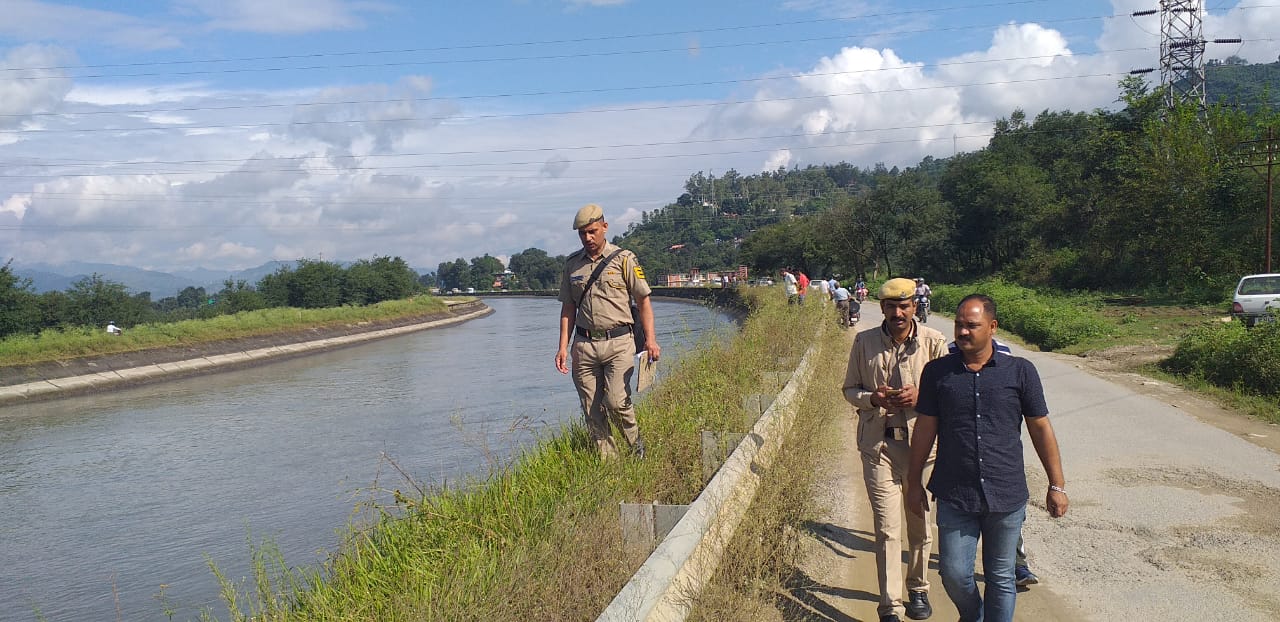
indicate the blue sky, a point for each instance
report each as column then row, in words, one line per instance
column 226, row 133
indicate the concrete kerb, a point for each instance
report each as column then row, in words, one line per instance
column 81, row 384
column 663, row 589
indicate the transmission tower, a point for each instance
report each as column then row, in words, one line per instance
column 1182, row 52
column 1182, row 46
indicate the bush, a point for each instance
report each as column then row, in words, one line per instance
column 1230, row 355
column 1049, row 321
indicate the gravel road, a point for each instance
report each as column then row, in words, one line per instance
column 1173, row 509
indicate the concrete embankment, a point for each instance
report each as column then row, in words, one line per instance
column 50, row 384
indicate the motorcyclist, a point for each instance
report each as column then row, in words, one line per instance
column 860, row 289
column 922, row 295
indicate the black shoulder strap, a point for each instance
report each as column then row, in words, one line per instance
column 596, row 274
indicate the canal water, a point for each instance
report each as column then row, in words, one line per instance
column 113, row 505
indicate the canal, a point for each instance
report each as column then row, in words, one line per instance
column 112, row 505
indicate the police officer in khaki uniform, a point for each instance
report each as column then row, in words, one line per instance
column 881, row 382
column 599, row 331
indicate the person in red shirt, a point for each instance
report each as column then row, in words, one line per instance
column 802, row 282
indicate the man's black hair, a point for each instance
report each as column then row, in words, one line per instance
column 988, row 305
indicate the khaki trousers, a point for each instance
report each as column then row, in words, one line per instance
column 602, row 374
column 885, row 474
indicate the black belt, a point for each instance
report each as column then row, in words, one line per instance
column 597, row 334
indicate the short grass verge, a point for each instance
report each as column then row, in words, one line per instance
column 54, row 344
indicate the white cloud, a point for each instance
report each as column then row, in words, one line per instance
column 29, row 20
column 29, row 86
column 779, row 159
column 283, row 16
column 201, row 252
column 138, row 95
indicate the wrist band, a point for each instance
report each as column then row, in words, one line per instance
column 1058, row 489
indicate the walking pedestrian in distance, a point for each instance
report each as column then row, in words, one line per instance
column 973, row 402
column 597, row 288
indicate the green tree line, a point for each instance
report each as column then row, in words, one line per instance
column 1131, row 199
column 94, row 301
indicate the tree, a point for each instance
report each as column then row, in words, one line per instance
column 94, row 301
column 19, row 306
column 483, row 270
column 535, row 269
column 237, row 296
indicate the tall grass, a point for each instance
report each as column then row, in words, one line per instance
column 54, row 344
column 1232, row 356
column 1051, row 321
column 761, row 564
column 539, row 538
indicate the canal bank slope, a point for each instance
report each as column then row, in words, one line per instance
column 60, row 378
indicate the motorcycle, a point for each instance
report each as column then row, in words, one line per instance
column 855, row 313
column 922, row 308
column 861, row 293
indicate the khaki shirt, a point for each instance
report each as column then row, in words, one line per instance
column 874, row 361
column 609, row 303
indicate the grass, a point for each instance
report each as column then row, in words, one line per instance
column 759, row 568
column 54, row 344
column 538, row 539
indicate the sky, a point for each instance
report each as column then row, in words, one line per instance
column 223, row 134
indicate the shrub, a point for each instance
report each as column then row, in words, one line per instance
column 1049, row 321
column 1230, row 355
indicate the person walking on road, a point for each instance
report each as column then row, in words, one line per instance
column 597, row 287
column 973, row 402
column 881, row 382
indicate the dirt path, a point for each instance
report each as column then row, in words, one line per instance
column 837, row 577
column 1172, row 518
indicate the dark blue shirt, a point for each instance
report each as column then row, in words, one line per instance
column 980, row 429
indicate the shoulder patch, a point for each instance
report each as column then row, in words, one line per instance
column 639, row 272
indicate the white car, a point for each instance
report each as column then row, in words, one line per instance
column 1256, row 295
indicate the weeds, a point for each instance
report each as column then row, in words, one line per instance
column 538, row 539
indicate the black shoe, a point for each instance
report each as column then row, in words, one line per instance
column 918, row 607
column 1023, row 576
column 890, row 618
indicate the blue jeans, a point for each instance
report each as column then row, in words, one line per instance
column 958, row 535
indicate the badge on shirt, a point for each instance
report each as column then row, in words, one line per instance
column 639, row 273
column 577, row 278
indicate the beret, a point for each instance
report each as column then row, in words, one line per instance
column 588, row 214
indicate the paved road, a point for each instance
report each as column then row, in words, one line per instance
column 1171, row 518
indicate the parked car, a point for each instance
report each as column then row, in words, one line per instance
column 1256, row 295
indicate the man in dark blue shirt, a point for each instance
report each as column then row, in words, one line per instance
column 973, row 402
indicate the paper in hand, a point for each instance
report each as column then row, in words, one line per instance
column 645, row 371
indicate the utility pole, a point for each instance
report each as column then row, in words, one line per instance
column 1259, row 155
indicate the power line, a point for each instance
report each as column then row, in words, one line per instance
column 559, row 112
column 534, row 43
column 397, row 100
column 564, row 56
column 49, row 162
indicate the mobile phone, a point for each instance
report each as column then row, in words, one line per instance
column 892, row 392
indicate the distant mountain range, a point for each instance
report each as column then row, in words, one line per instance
column 46, row 277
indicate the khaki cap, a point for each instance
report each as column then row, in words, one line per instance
column 588, row 214
column 897, row 289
